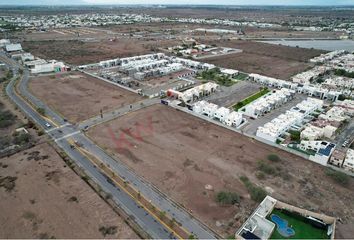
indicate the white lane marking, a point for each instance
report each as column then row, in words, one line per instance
column 61, row 126
column 67, row 135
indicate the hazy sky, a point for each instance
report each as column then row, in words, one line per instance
column 217, row 2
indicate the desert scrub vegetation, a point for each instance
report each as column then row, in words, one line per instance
column 273, row 158
column 338, row 177
column 227, row 198
column 257, row 193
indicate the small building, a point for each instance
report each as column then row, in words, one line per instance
column 229, row 72
column 312, row 133
column 26, row 57
column 348, row 163
column 13, row 47
column 337, row 158
column 233, row 119
column 51, row 66
column 221, row 114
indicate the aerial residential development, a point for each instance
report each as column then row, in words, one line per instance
column 160, row 121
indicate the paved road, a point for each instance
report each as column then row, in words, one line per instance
column 346, row 134
column 66, row 130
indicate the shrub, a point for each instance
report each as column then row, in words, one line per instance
column 41, row 111
column 266, row 168
column 257, row 193
column 108, row 230
column 338, row 177
column 273, row 158
column 260, row 175
column 22, row 138
column 6, row 119
column 227, row 197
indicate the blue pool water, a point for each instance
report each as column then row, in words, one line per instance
column 282, row 226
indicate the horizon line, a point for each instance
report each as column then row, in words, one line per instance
column 186, row 4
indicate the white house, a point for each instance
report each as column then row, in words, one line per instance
column 349, row 161
column 312, row 133
column 233, row 119
column 322, row 150
column 221, row 114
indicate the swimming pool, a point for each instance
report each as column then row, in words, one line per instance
column 282, row 226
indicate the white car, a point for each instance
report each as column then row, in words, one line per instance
column 47, row 125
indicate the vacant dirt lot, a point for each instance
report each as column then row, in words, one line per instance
column 43, row 198
column 79, row 52
column 79, row 96
column 181, row 154
column 270, row 60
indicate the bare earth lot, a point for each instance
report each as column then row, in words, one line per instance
column 79, row 96
column 262, row 58
column 181, row 154
column 43, row 198
column 79, row 52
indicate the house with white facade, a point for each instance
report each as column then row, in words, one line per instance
column 322, row 150
column 312, row 133
column 233, row 119
column 348, row 163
